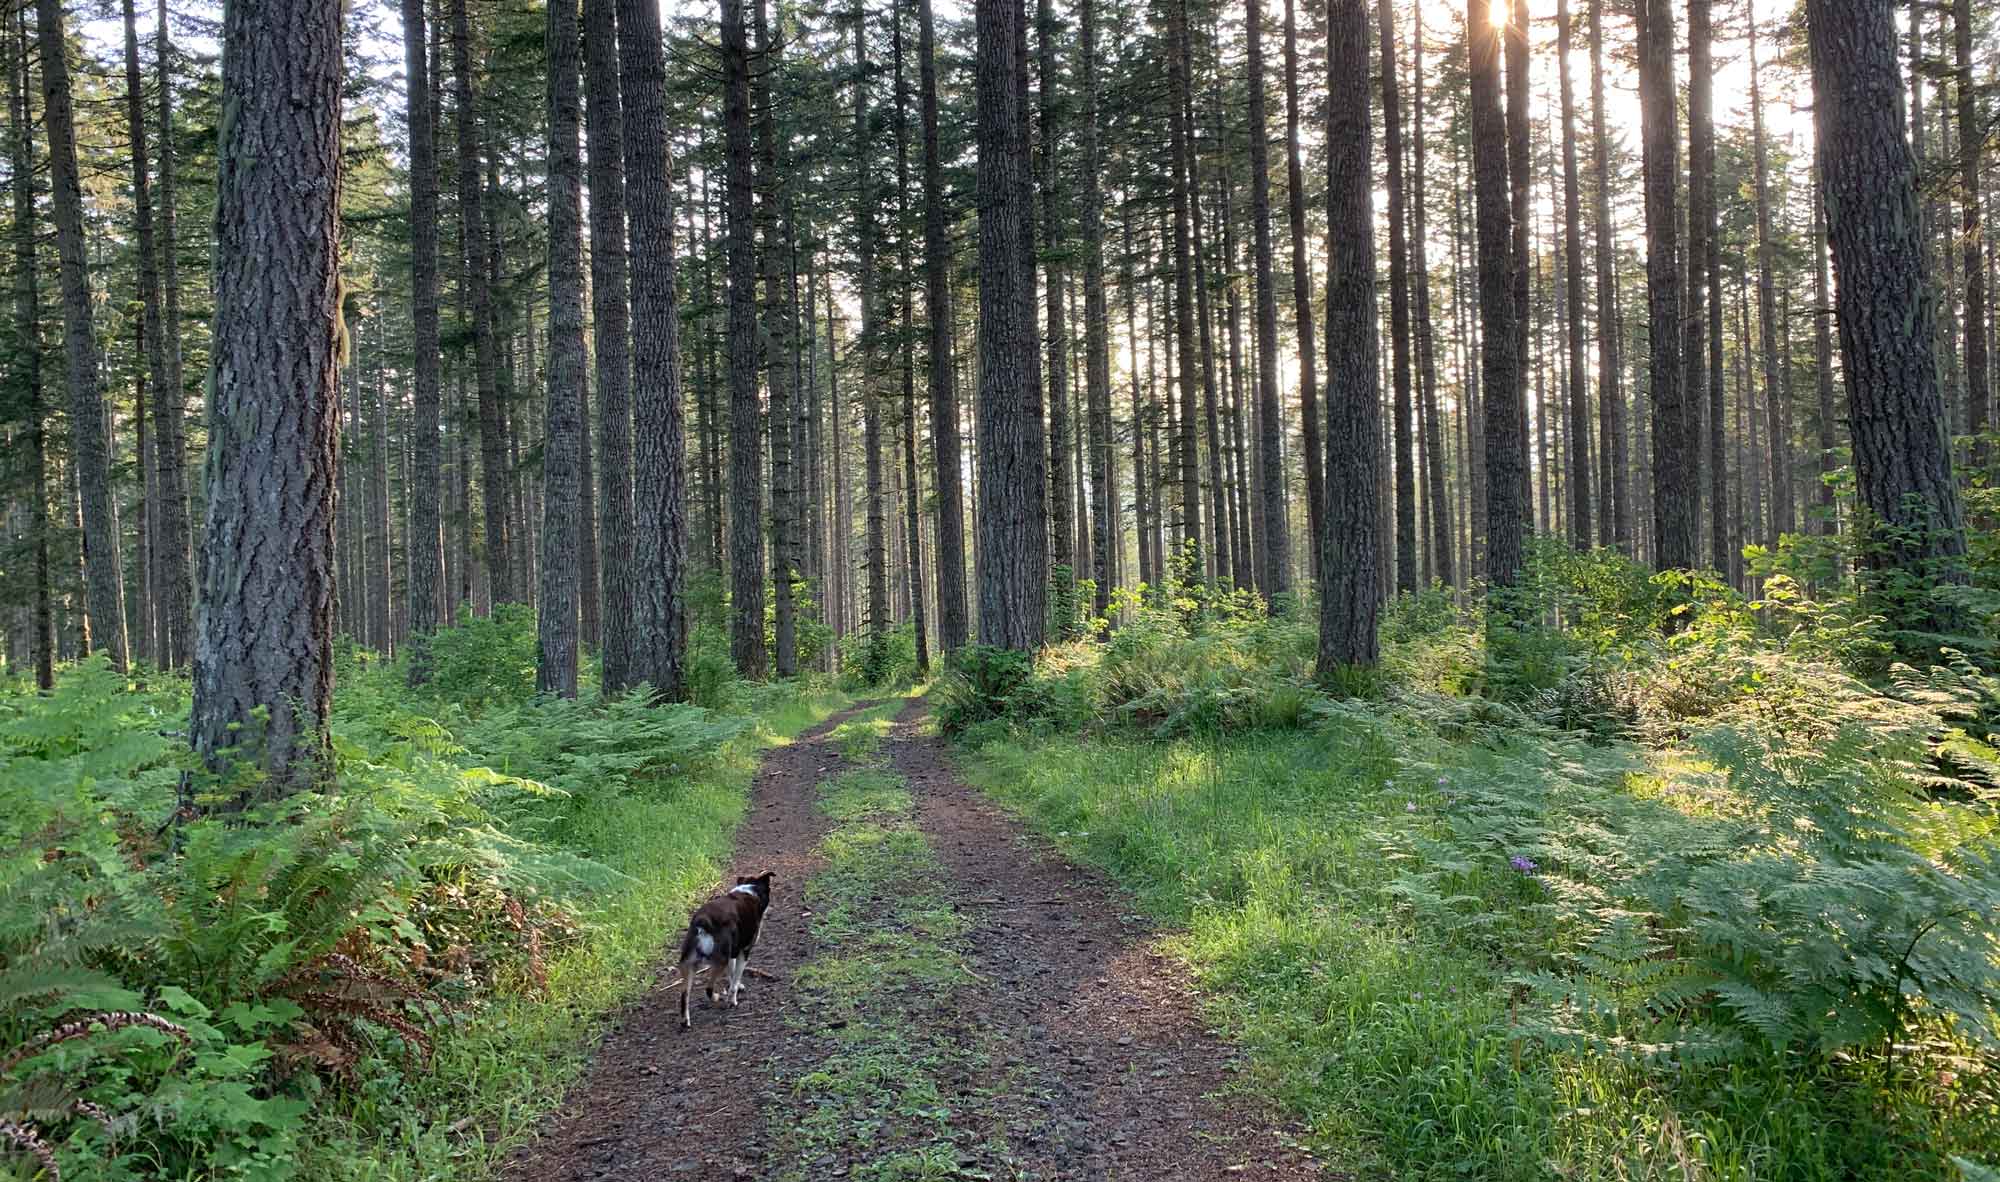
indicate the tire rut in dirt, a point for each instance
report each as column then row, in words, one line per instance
column 1131, row 1083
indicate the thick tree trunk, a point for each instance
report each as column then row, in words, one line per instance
column 746, row 435
column 1399, row 310
column 1675, row 496
column 557, row 602
column 871, row 407
column 610, row 319
column 1350, row 575
column 1902, row 462
column 1013, row 511
column 1505, row 444
column 953, row 626
column 89, row 441
column 659, row 513
column 263, row 654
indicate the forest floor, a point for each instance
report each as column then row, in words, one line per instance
column 949, row 999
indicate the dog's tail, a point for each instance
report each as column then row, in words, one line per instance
column 700, row 940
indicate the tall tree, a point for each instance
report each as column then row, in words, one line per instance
column 558, row 598
column 25, row 374
column 1188, row 561
column 1275, row 553
column 495, row 479
column 1350, row 575
column 610, row 319
column 1506, row 445
column 1614, row 496
column 953, row 626
column 171, row 579
column 1302, row 305
column 1577, row 400
column 1104, row 538
column 659, row 511
column 1782, row 519
column 1887, row 313
column 1972, row 240
column 779, row 312
column 1399, row 311
column 263, row 652
column 1674, row 465
column 746, row 436
column 913, row 542
column 89, row 438
column 1013, row 509
column 871, row 402
column 1062, row 515
column 1433, row 431
column 1702, row 300
column 1521, row 183
column 174, row 555
column 426, row 580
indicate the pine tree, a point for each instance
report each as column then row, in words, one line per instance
column 1505, row 443
column 953, row 626
column 746, row 438
column 558, row 600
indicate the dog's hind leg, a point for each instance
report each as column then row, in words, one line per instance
column 687, row 987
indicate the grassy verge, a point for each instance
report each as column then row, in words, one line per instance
column 893, row 1092
column 1278, row 858
column 505, row 1065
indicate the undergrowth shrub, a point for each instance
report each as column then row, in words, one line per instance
column 177, row 990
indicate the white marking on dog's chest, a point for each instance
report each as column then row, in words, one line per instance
column 745, row 889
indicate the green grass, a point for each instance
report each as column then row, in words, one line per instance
column 503, row 1067
column 1402, row 1043
column 887, row 1092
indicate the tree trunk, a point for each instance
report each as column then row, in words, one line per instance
column 659, row 514
column 89, row 441
column 906, row 345
column 1578, row 393
column 263, row 654
column 1902, row 463
column 1013, row 511
column 1275, row 556
column 746, row 437
column 1829, row 460
column 1188, row 563
column 1350, row 576
column 1302, row 310
column 25, row 374
column 1695, row 370
column 426, row 585
column 1062, row 514
column 611, row 331
column 1500, row 359
column 1971, row 142
column 1434, row 459
column 494, row 476
column 1614, row 494
column 779, row 312
column 871, row 408
column 953, row 626
column 1399, row 310
column 1675, row 496
column 1104, row 536
column 1520, row 180
column 557, row 605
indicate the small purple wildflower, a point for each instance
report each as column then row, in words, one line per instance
column 1522, row 863
column 1410, row 806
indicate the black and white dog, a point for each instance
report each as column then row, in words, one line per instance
column 719, row 938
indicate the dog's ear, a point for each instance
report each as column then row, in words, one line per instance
column 763, row 879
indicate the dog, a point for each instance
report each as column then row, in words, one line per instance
column 720, row 935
